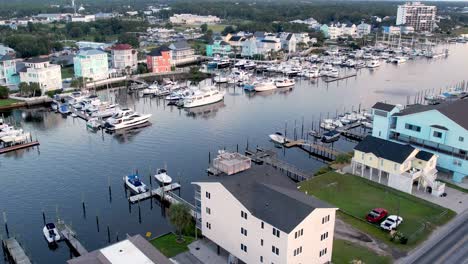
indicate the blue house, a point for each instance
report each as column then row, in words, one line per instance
column 440, row 129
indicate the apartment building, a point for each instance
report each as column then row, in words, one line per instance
column 419, row 16
column 39, row 70
column 124, row 57
column 91, row 64
column 191, row 19
column 257, row 215
column 159, row 60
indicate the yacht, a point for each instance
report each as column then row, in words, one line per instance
column 331, row 136
column 399, row 60
column 223, row 63
column 240, row 64
column 350, row 63
column 278, row 138
column 373, row 64
column 93, row 123
column 264, row 85
column 220, row 79
column 249, row 65
column 51, row 233
column 134, row 183
column 162, row 177
column 125, row 118
column 284, row 82
column 333, row 73
column 204, row 96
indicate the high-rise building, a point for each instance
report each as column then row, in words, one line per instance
column 419, row 16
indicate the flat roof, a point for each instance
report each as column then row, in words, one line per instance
column 124, row 252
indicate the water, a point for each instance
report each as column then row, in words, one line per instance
column 73, row 164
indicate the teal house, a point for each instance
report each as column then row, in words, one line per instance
column 440, row 129
column 325, row 30
column 91, row 64
column 218, row 47
column 8, row 75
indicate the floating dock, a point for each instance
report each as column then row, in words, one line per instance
column 19, row 146
column 15, row 252
column 69, row 236
column 155, row 192
column 328, row 80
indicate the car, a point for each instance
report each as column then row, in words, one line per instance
column 391, row 222
column 376, row 215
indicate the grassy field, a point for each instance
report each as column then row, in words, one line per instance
column 357, row 196
column 217, row 27
column 345, row 252
column 7, row 102
column 168, row 245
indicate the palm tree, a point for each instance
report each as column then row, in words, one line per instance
column 180, row 217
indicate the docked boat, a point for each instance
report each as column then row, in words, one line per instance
column 150, row 91
column 373, row 64
column 51, row 233
column 64, row 109
column 264, row 85
column 134, row 183
column 331, row 136
column 249, row 65
column 220, row 79
column 125, row 118
column 284, row 82
column 204, row 96
column 93, row 123
column 278, row 138
column 399, row 60
column 162, row 177
column 223, row 63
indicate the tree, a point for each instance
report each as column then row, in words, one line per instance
column 204, row 28
column 30, row 89
column 180, row 217
column 227, row 30
column 77, row 83
column 3, row 92
column 142, row 68
column 127, row 38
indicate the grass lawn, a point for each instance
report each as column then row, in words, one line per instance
column 168, row 245
column 67, row 72
column 7, row 102
column 454, row 186
column 345, row 252
column 217, row 27
column 357, row 196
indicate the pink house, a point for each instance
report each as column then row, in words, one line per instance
column 159, row 60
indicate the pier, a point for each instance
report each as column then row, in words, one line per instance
column 161, row 191
column 14, row 251
column 69, row 236
column 329, row 80
column 19, row 146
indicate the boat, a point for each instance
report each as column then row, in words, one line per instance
column 249, row 65
column 333, row 73
column 150, row 91
column 206, row 95
column 314, row 133
column 223, row 63
column 366, row 124
column 64, row 109
column 284, row 82
column 278, row 138
column 125, row 118
column 373, row 64
column 51, row 233
column 240, row 64
column 399, row 60
column 220, row 79
column 93, row 123
column 264, row 85
column 331, row 136
column 162, row 177
column 134, row 183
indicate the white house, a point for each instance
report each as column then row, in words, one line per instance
column 182, row 53
column 39, row 70
column 257, row 215
column 363, row 29
column 288, row 42
column 124, row 57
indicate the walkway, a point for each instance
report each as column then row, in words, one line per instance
column 206, row 252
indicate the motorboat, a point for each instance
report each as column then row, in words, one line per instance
column 399, row 60
column 17, row 137
column 93, row 123
column 220, row 79
column 331, row 136
column 125, row 118
column 333, row 73
column 373, row 64
column 223, row 63
column 350, row 63
column 278, row 138
column 284, row 82
column 240, row 64
column 134, row 183
column 366, row 124
column 64, row 109
column 162, row 177
column 206, row 95
column 249, row 65
column 150, row 90
column 264, row 85
column 51, row 233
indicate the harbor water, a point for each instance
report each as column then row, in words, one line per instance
column 74, row 166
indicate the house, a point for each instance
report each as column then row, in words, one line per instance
column 249, row 47
column 135, row 249
column 310, row 22
column 5, row 50
column 363, row 29
column 302, row 37
column 398, row 165
column 236, row 42
column 159, row 60
column 124, row 57
column 288, row 42
column 257, row 215
column 268, row 43
column 440, row 129
column 8, row 75
column 83, row 18
column 91, row 64
column 406, row 29
column 218, row 47
column 391, row 30
column 182, row 53
column 39, row 70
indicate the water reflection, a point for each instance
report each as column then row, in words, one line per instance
column 206, row 111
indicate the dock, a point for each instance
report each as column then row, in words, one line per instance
column 354, row 135
column 314, row 148
column 161, row 191
column 19, row 146
column 328, row 80
column 15, row 252
column 69, row 236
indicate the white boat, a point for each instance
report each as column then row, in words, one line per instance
column 206, row 95
column 220, row 79
column 19, row 137
column 333, row 73
column 150, row 91
column 366, row 124
column 264, row 85
column 278, row 138
column 240, row 64
column 51, row 233
column 399, row 60
column 284, row 82
column 249, row 65
column 162, row 177
column 373, row 64
column 331, row 136
column 312, row 73
column 134, row 183
column 125, row 118
column 93, row 123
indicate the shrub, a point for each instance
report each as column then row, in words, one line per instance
column 3, row 92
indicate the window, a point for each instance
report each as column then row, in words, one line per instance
column 461, row 139
column 261, row 242
column 208, row 195
column 324, row 236
column 244, row 231
column 299, row 233
column 323, row 252
column 276, row 232
column 298, row 251
column 395, row 166
column 243, row 214
column 381, row 162
column 437, row 134
column 457, row 162
column 263, row 225
column 208, row 225
column 208, row 210
column 261, row 259
column 243, row 247
column 413, row 127
column 362, row 156
column 325, row 219
column 275, row 250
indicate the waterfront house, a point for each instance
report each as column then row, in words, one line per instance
column 363, row 29
column 182, row 53
column 288, row 42
column 236, row 42
column 39, row 70
column 218, row 47
column 397, row 165
column 249, row 47
column 440, row 129
column 8, row 75
column 91, row 64
column 190, row 19
column 159, row 60
column 257, row 215
column 124, row 57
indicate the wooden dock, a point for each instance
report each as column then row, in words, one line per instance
column 329, row 80
column 69, row 236
column 19, row 146
column 161, row 191
column 354, row 135
column 15, row 252
column 314, row 148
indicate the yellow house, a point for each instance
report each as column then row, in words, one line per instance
column 396, row 165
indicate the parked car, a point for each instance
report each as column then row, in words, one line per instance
column 391, row 222
column 376, row 215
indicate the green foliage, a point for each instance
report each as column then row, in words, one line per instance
column 343, row 158
column 4, row 92
column 53, row 92
column 195, row 75
column 77, row 83
column 227, row 30
column 142, row 68
column 204, row 28
column 30, row 89
column 323, row 170
column 180, row 218
column 128, row 38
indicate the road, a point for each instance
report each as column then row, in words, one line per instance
column 450, row 245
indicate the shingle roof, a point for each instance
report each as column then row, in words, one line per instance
column 182, row 44
column 424, row 155
column 122, row 47
column 270, row 195
column 456, row 111
column 385, row 149
column 157, row 51
column 37, row 60
column 90, row 51
column 383, row 106
column 6, row 57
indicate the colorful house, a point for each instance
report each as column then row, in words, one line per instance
column 91, row 64
column 439, row 129
column 182, row 53
column 8, row 75
column 159, row 60
column 124, row 57
column 218, row 47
